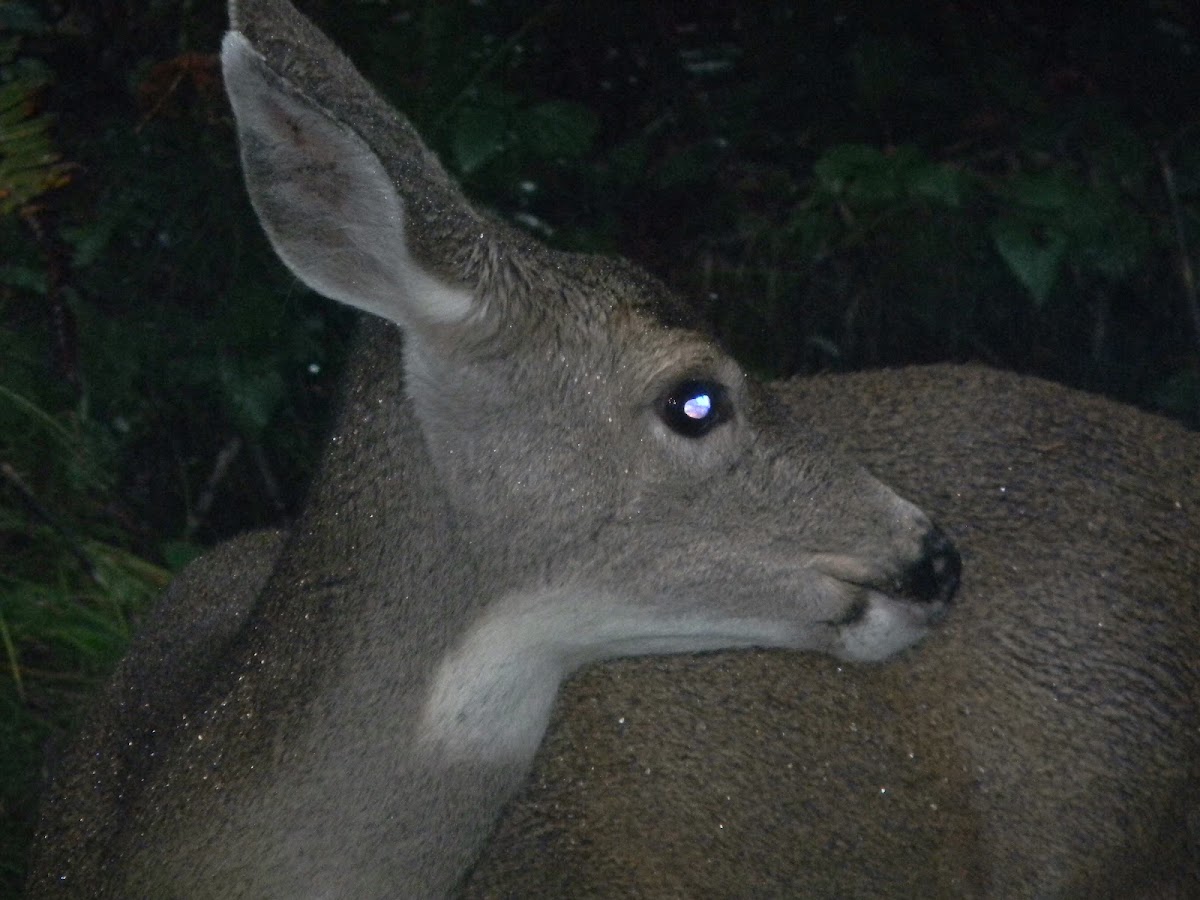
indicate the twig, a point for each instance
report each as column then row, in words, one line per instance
column 270, row 482
column 220, row 468
column 1186, row 272
column 14, row 664
column 493, row 60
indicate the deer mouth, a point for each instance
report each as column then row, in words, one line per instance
column 893, row 611
column 882, row 626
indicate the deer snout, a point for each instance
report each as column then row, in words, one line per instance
column 893, row 611
column 933, row 577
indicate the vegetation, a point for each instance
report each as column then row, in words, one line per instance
column 837, row 184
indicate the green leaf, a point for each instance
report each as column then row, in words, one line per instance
column 939, row 183
column 628, row 161
column 693, row 163
column 1179, row 394
column 16, row 15
column 24, row 277
column 178, row 554
column 864, row 175
column 254, row 397
column 1033, row 256
column 1053, row 189
column 479, row 135
column 90, row 241
column 812, row 230
column 844, row 165
column 559, row 129
column 29, row 165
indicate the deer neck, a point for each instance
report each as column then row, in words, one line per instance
column 442, row 627
column 432, row 706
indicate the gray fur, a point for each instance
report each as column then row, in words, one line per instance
column 502, row 502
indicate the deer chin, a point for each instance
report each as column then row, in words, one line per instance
column 882, row 625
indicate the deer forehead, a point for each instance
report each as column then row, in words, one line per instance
column 572, row 369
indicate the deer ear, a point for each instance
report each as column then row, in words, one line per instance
column 325, row 200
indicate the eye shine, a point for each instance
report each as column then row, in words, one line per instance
column 698, row 407
column 693, row 408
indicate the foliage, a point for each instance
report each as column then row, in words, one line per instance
column 155, row 371
column 1019, row 188
column 28, row 165
column 836, row 184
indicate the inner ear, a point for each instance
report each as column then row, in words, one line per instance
column 325, row 200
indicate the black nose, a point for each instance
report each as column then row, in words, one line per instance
column 934, row 577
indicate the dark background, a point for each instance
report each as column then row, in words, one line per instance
column 835, row 184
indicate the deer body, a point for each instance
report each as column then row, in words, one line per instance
column 549, row 469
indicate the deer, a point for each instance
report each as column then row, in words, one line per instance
column 535, row 632
column 541, row 464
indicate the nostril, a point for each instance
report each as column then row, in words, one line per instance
column 935, row 576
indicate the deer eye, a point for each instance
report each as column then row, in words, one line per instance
column 693, row 408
